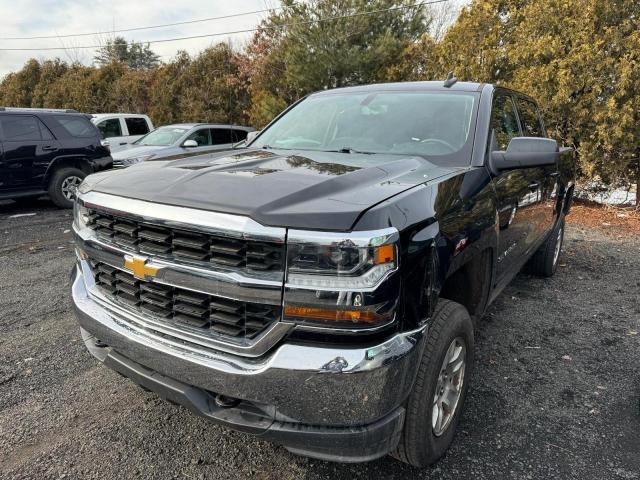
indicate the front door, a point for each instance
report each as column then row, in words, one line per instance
column 518, row 192
column 532, row 126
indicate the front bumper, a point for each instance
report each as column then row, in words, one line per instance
column 342, row 404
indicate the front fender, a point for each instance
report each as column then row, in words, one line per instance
column 443, row 225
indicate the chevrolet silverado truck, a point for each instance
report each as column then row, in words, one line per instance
column 320, row 285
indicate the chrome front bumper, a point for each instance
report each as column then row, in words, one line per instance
column 300, row 384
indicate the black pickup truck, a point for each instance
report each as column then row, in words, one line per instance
column 320, row 286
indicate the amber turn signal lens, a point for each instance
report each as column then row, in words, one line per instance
column 335, row 315
column 385, row 254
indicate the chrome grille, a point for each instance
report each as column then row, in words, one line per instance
column 150, row 239
column 232, row 318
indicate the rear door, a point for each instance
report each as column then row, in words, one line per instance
column 222, row 138
column 136, row 128
column 516, row 190
column 238, row 135
column 28, row 149
column 532, row 126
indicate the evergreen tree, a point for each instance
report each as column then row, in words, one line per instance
column 136, row 55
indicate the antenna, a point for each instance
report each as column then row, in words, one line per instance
column 450, row 81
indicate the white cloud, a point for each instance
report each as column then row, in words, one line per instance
column 22, row 18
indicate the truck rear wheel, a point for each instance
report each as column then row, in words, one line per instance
column 544, row 262
column 437, row 399
column 63, row 184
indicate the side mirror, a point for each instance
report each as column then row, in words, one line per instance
column 190, row 144
column 525, row 152
column 252, row 135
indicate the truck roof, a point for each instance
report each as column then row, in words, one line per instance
column 435, row 85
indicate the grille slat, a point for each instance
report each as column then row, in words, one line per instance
column 223, row 316
column 216, row 250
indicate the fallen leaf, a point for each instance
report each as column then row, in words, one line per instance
column 566, row 357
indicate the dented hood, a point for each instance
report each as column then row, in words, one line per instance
column 297, row 189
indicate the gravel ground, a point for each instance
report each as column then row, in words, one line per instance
column 555, row 392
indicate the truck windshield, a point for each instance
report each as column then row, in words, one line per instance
column 405, row 123
column 163, row 136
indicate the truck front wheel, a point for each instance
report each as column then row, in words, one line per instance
column 63, row 184
column 435, row 404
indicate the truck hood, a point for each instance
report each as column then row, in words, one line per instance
column 296, row 189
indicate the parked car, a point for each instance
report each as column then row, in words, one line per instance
column 121, row 129
column 179, row 140
column 47, row 151
column 320, row 287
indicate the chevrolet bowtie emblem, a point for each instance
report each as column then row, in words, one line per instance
column 138, row 266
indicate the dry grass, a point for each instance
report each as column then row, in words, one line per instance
column 613, row 220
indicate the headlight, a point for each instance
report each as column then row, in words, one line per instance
column 143, row 158
column 338, row 279
column 85, row 186
column 80, row 215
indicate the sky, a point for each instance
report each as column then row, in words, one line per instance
column 28, row 18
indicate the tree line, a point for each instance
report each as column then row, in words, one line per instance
column 579, row 58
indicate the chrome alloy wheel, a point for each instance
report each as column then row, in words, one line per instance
column 449, row 386
column 558, row 247
column 69, row 186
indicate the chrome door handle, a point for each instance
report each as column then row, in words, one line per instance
column 554, row 174
column 534, row 185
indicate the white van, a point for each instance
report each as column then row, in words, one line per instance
column 120, row 129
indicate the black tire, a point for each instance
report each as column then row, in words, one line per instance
column 544, row 262
column 419, row 444
column 59, row 183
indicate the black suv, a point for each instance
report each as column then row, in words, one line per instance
column 47, row 151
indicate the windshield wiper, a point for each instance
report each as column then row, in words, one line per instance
column 350, row 150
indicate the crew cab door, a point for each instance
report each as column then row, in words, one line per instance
column 532, row 126
column 518, row 192
column 113, row 130
column 28, row 149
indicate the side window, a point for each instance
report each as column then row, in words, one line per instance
column 201, row 136
column 45, row 132
column 76, row 126
column 136, row 125
column 20, row 128
column 220, row 136
column 238, row 135
column 110, row 128
column 504, row 120
column 529, row 118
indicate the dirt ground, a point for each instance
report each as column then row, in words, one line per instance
column 555, row 392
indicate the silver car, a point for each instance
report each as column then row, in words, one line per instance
column 180, row 140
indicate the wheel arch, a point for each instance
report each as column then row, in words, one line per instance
column 67, row 162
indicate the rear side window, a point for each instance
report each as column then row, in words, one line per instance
column 504, row 120
column 20, row 128
column 76, row 126
column 110, row 128
column 137, row 125
column 220, row 136
column 529, row 118
column 238, row 135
